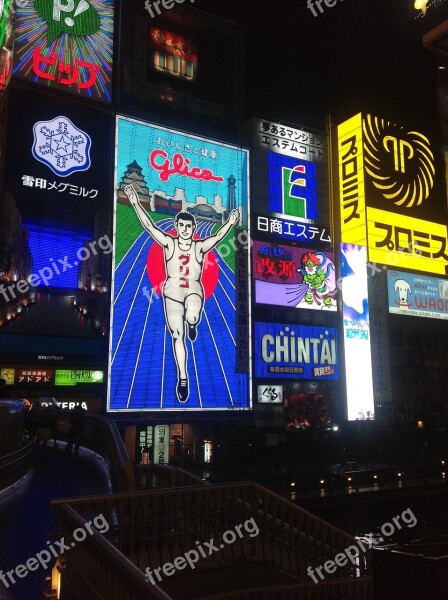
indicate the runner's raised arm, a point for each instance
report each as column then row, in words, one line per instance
column 157, row 234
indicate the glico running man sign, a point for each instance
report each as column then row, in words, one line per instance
column 181, row 206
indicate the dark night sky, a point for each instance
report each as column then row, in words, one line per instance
column 358, row 55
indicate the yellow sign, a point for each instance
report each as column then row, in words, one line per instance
column 400, row 163
column 351, row 182
column 7, row 375
column 407, row 243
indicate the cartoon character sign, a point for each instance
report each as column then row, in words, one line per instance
column 404, row 290
column 295, row 277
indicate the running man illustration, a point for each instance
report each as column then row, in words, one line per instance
column 182, row 292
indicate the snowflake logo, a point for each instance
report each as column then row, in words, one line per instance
column 61, row 146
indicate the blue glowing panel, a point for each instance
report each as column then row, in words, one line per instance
column 417, row 295
column 292, row 187
column 53, row 253
column 295, row 351
column 180, row 200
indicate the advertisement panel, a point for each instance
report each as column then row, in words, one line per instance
column 355, row 309
column 66, row 46
column 290, row 177
column 7, row 21
column 181, row 203
column 161, row 444
column 173, row 54
column 55, row 230
column 394, row 172
column 295, row 351
column 77, row 376
column 294, row 277
column 417, row 295
column 405, row 242
column 351, row 182
column 270, row 394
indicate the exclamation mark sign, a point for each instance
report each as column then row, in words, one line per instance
column 82, row 7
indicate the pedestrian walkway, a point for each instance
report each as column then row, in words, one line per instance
column 26, row 520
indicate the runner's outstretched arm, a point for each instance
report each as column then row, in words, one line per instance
column 159, row 236
column 211, row 241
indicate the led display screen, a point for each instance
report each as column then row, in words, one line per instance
column 355, row 309
column 67, row 45
column 295, row 351
column 55, row 227
column 417, row 295
column 294, row 277
column 181, row 204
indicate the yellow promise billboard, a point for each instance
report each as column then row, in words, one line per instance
column 390, row 194
column 351, row 182
column 405, row 242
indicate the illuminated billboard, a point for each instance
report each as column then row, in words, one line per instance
column 355, row 309
column 294, row 277
column 76, row 376
column 292, row 186
column 270, row 394
column 417, row 295
column 295, row 351
column 7, row 19
column 56, row 230
column 351, row 182
column 290, row 176
column 66, row 46
column 173, row 54
column 390, row 194
column 401, row 241
column 181, row 204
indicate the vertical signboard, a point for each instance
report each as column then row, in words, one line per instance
column 355, row 309
column 161, row 444
column 290, row 176
column 182, row 202
column 55, row 229
column 351, row 182
column 66, row 45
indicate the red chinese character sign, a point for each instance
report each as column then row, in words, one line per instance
column 66, row 45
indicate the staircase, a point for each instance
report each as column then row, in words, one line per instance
column 261, row 547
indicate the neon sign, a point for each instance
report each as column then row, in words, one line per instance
column 180, row 167
column 176, row 289
column 66, row 45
